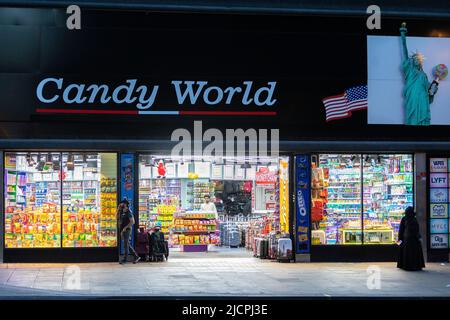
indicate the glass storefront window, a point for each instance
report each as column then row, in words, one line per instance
column 359, row 199
column 40, row 210
column 32, row 200
column 336, row 199
column 89, row 199
column 388, row 191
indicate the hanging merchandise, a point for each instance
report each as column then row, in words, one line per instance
column 284, row 196
column 161, row 169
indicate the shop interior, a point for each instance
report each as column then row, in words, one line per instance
column 39, row 185
column 359, row 198
column 249, row 197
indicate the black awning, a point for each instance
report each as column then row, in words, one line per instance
column 412, row 8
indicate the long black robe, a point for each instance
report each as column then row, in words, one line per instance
column 410, row 254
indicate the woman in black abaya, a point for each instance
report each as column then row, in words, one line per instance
column 410, row 256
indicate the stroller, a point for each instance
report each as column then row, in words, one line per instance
column 159, row 248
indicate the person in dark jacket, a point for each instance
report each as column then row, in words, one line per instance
column 410, row 254
column 126, row 223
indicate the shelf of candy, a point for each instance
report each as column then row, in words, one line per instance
column 33, row 227
column 108, row 185
column 193, row 226
column 31, row 194
column 202, row 239
column 144, row 193
column 80, row 226
column 388, row 194
column 165, row 218
column 155, row 192
column 72, row 192
column 47, row 192
column 161, row 215
column 90, row 190
column 196, row 215
column 16, row 187
column 108, row 205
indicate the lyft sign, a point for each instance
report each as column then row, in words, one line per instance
column 438, row 180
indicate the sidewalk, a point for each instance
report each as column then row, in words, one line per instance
column 217, row 277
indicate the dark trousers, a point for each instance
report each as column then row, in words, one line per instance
column 126, row 238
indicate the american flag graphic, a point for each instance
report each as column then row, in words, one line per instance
column 342, row 105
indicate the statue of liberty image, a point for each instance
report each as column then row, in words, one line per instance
column 417, row 97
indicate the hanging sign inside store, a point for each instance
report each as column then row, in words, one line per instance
column 302, row 203
column 284, row 196
column 265, row 176
column 139, row 97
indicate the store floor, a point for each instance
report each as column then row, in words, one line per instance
column 213, row 252
column 213, row 275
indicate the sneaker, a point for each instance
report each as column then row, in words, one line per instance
column 136, row 260
column 123, row 261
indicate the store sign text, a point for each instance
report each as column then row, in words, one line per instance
column 144, row 97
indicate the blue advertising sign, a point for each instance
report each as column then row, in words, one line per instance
column 302, row 182
column 127, row 184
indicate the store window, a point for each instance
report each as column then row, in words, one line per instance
column 336, row 199
column 388, row 190
column 60, row 199
column 32, row 200
column 201, row 204
column 359, row 198
column 89, row 200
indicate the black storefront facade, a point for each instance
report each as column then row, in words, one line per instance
column 279, row 69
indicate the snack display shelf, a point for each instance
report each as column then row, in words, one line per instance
column 194, row 231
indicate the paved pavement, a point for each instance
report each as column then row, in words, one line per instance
column 219, row 276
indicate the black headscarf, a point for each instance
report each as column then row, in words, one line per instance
column 409, row 213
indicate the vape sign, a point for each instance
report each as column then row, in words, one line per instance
column 438, row 165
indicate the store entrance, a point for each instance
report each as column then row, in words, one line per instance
column 206, row 207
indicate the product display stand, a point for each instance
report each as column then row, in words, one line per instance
column 193, row 231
